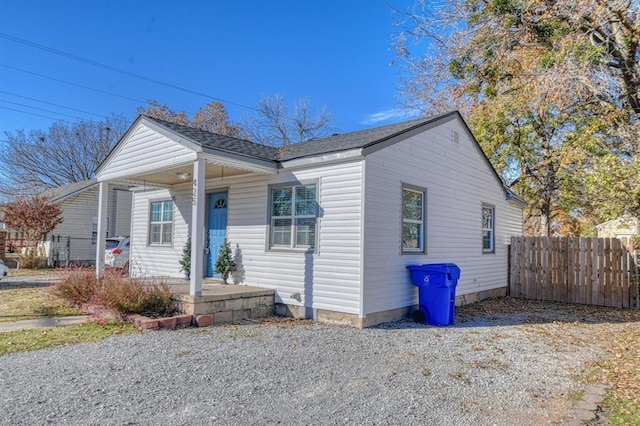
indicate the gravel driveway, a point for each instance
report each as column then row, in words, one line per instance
column 498, row 365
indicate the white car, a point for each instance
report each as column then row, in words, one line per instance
column 4, row 270
column 117, row 252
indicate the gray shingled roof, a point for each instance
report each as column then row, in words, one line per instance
column 358, row 139
column 221, row 142
column 336, row 143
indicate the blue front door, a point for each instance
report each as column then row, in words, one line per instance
column 216, row 229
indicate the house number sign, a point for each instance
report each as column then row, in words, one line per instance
column 194, row 195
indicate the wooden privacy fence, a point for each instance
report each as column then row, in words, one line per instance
column 591, row 271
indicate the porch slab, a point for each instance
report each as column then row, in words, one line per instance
column 226, row 302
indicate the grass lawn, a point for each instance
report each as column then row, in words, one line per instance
column 13, row 272
column 43, row 338
column 29, row 303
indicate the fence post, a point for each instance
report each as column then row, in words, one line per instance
column 68, row 254
column 509, row 270
column 635, row 263
column 50, row 257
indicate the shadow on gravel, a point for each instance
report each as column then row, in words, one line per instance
column 511, row 312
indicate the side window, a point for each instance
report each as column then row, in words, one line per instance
column 293, row 216
column 414, row 209
column 488, row 228
column 94, row 230
column 161, row 223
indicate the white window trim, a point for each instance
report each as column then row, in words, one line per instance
column 270, row 218
column 492, row 229
column 161, row 222
column 423, row 222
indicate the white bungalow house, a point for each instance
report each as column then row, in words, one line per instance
column 329, row 224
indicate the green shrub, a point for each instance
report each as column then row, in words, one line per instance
column 78, row 285
column 158, row 302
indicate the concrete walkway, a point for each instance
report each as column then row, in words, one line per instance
column 42, row 322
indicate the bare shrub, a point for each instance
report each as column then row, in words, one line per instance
column 78, row 285
column 142, row 296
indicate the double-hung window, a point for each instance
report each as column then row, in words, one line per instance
column 161, row 223
column 294, row 211
column 488, row 228
column 413, row 219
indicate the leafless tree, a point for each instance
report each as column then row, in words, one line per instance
column 276, row 125
column 38, row 160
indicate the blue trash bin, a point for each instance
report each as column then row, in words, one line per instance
column 436, row 284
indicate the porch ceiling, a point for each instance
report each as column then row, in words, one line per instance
column 183, row 174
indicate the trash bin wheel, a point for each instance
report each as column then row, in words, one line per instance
column 419, row 317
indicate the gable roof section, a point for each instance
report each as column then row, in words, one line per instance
column 63, row 192
column 368, row 139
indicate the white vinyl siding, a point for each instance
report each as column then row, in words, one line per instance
column 459, row 180
column 150, row 260
column 328, row 278
column 146, row 151
column 79, row 213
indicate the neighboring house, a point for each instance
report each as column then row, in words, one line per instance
column 74, row 240
column 330, row 224
column 623, row 227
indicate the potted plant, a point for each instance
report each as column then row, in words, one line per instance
column 185, row 262
column 225, row 263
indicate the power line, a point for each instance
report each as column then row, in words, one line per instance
column 104, row 92
column 41, row 109
column 51, row 103
column 33, row 113
column 118, row 70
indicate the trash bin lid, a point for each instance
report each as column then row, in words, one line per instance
column 444, row 268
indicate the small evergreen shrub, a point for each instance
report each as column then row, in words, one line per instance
column 225, row 263
column 185, row 262
column 158, row 302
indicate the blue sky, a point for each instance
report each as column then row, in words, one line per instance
column 336, row 53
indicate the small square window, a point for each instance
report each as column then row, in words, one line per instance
column 161, row 223
column 293, row 220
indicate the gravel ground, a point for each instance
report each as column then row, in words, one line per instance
column 499, row 365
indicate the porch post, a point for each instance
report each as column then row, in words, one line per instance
column 101, row 238
column 197, row 228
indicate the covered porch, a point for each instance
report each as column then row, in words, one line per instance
column 153, row 155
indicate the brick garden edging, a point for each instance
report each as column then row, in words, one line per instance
column 146, row 323
column 170, row 323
